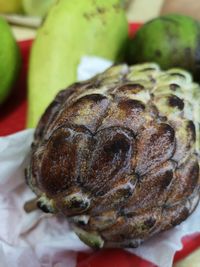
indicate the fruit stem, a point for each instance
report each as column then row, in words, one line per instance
column 31, row 205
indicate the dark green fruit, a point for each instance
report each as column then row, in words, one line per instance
column 171, row 41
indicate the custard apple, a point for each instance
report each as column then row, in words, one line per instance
column 118, row 154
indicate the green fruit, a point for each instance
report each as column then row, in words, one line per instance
column 171, row 41
column 71, row 30
column 37, row 7
column 9, row 60
column 10, row 6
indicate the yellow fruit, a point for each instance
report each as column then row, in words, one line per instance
column 9, row 59
column 10, row 6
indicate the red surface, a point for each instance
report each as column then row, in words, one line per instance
column 12, row 119
column 111, row 258
column 13, row 111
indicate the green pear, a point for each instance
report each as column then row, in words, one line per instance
column 71, row 30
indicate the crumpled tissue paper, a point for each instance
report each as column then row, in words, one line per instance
column 43, row 240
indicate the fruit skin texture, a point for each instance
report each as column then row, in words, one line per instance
column 171, row 41
column 72, row 29
column 118, row 154
column 10, row 60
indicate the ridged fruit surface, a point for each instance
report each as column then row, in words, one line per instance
column 119, row 154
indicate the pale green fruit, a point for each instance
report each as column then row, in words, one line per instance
column 71, row 30
column 37, row 7
column 9, row 60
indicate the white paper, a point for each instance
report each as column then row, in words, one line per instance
column 89, row 66
column 43, row 240
column 34, row 239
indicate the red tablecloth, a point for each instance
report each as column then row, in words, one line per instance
column 12, row 119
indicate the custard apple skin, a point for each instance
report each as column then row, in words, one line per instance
column 118, row 154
